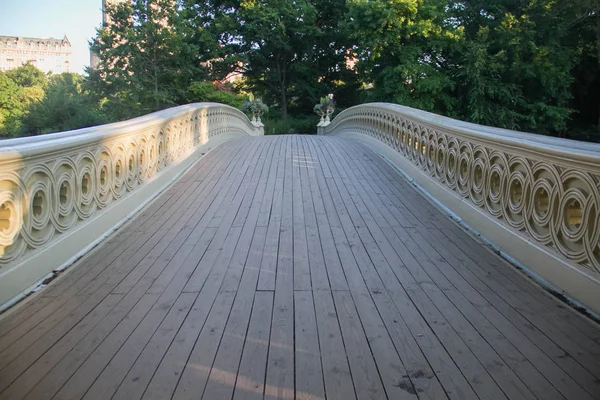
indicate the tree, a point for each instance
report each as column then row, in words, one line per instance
column 583, row 34
column 33, row 81
column 145, row 64
column 209, row 92
column 12, row 105
column 65, row 106
column 513, row 64
column 289, row 51
column 402, row 48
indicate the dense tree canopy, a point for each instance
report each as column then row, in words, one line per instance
column 146, row 63
column 532, row 65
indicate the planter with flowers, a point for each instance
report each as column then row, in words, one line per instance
column 256, row 108
column 324, row 109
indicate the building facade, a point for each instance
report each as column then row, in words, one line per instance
column 49, row 55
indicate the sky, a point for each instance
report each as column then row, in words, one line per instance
column 78, row 19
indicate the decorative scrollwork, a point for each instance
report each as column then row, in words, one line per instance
column 72, row 176
column 552, row 201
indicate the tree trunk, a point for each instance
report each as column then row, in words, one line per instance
column 282, row 89
column 283, row 103
column 156, row 82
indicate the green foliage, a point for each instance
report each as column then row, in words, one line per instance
column 288, row 51
column 275, row 125
column 145, row 62
column 254, row 107
column 65, row 106
column 499, row 62
column 28, row 75
column 207, row 91
column 401, row 46
column 12, row 105
column 527, row 65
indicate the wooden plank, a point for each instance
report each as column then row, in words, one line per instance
column 222, row 379
column 336, row 371
column 294, row 267
column 136, row 380
column 176, row 285
column 223, row 372
column 280, row 364
column 302, row 278
column 532, row 376
column 364, row 371
column 250, row 381
column 508, row 381
column 166, row 377
column 358, row 239
column 68, row 365
column 316, row 261
column 195, row 374
column 167, row 311
column 23, row 374
column 266, row 280
column 309, row 373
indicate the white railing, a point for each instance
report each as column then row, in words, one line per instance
column 53, row 184
column 508, row 185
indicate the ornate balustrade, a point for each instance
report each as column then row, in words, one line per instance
column 62, row 192
column 536, row 198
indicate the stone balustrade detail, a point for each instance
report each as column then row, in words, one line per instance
column 545, row 189
column 50, row 184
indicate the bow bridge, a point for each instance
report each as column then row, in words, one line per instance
column 396, row 255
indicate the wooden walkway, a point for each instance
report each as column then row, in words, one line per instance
column 295, row 267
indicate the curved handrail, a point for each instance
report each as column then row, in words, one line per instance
column 544, row 189
column 51, row 184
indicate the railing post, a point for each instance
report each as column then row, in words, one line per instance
column 322, row 124
column 258, row 123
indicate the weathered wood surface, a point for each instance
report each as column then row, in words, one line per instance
column 295, row 267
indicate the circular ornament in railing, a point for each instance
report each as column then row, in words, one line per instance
column 131, row 179
column 37, row 226
column 478, row 178
column 422, row 149
column 542, row 204
column 11, row 215
column 64, row 182
column 516, row 192
column 86, row 187
column 162, row 154
column 573, row 209
column 465, row 162
column 8, row 220
column 440, row 161
column 104, row 177
column 578, row 214
column 152, row 156
column 431, row 153
column 120, row 171
column 12, row 203
column 591, row 240
column 142, row 160
column 452, row 163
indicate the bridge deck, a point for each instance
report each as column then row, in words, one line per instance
column 295, row 267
